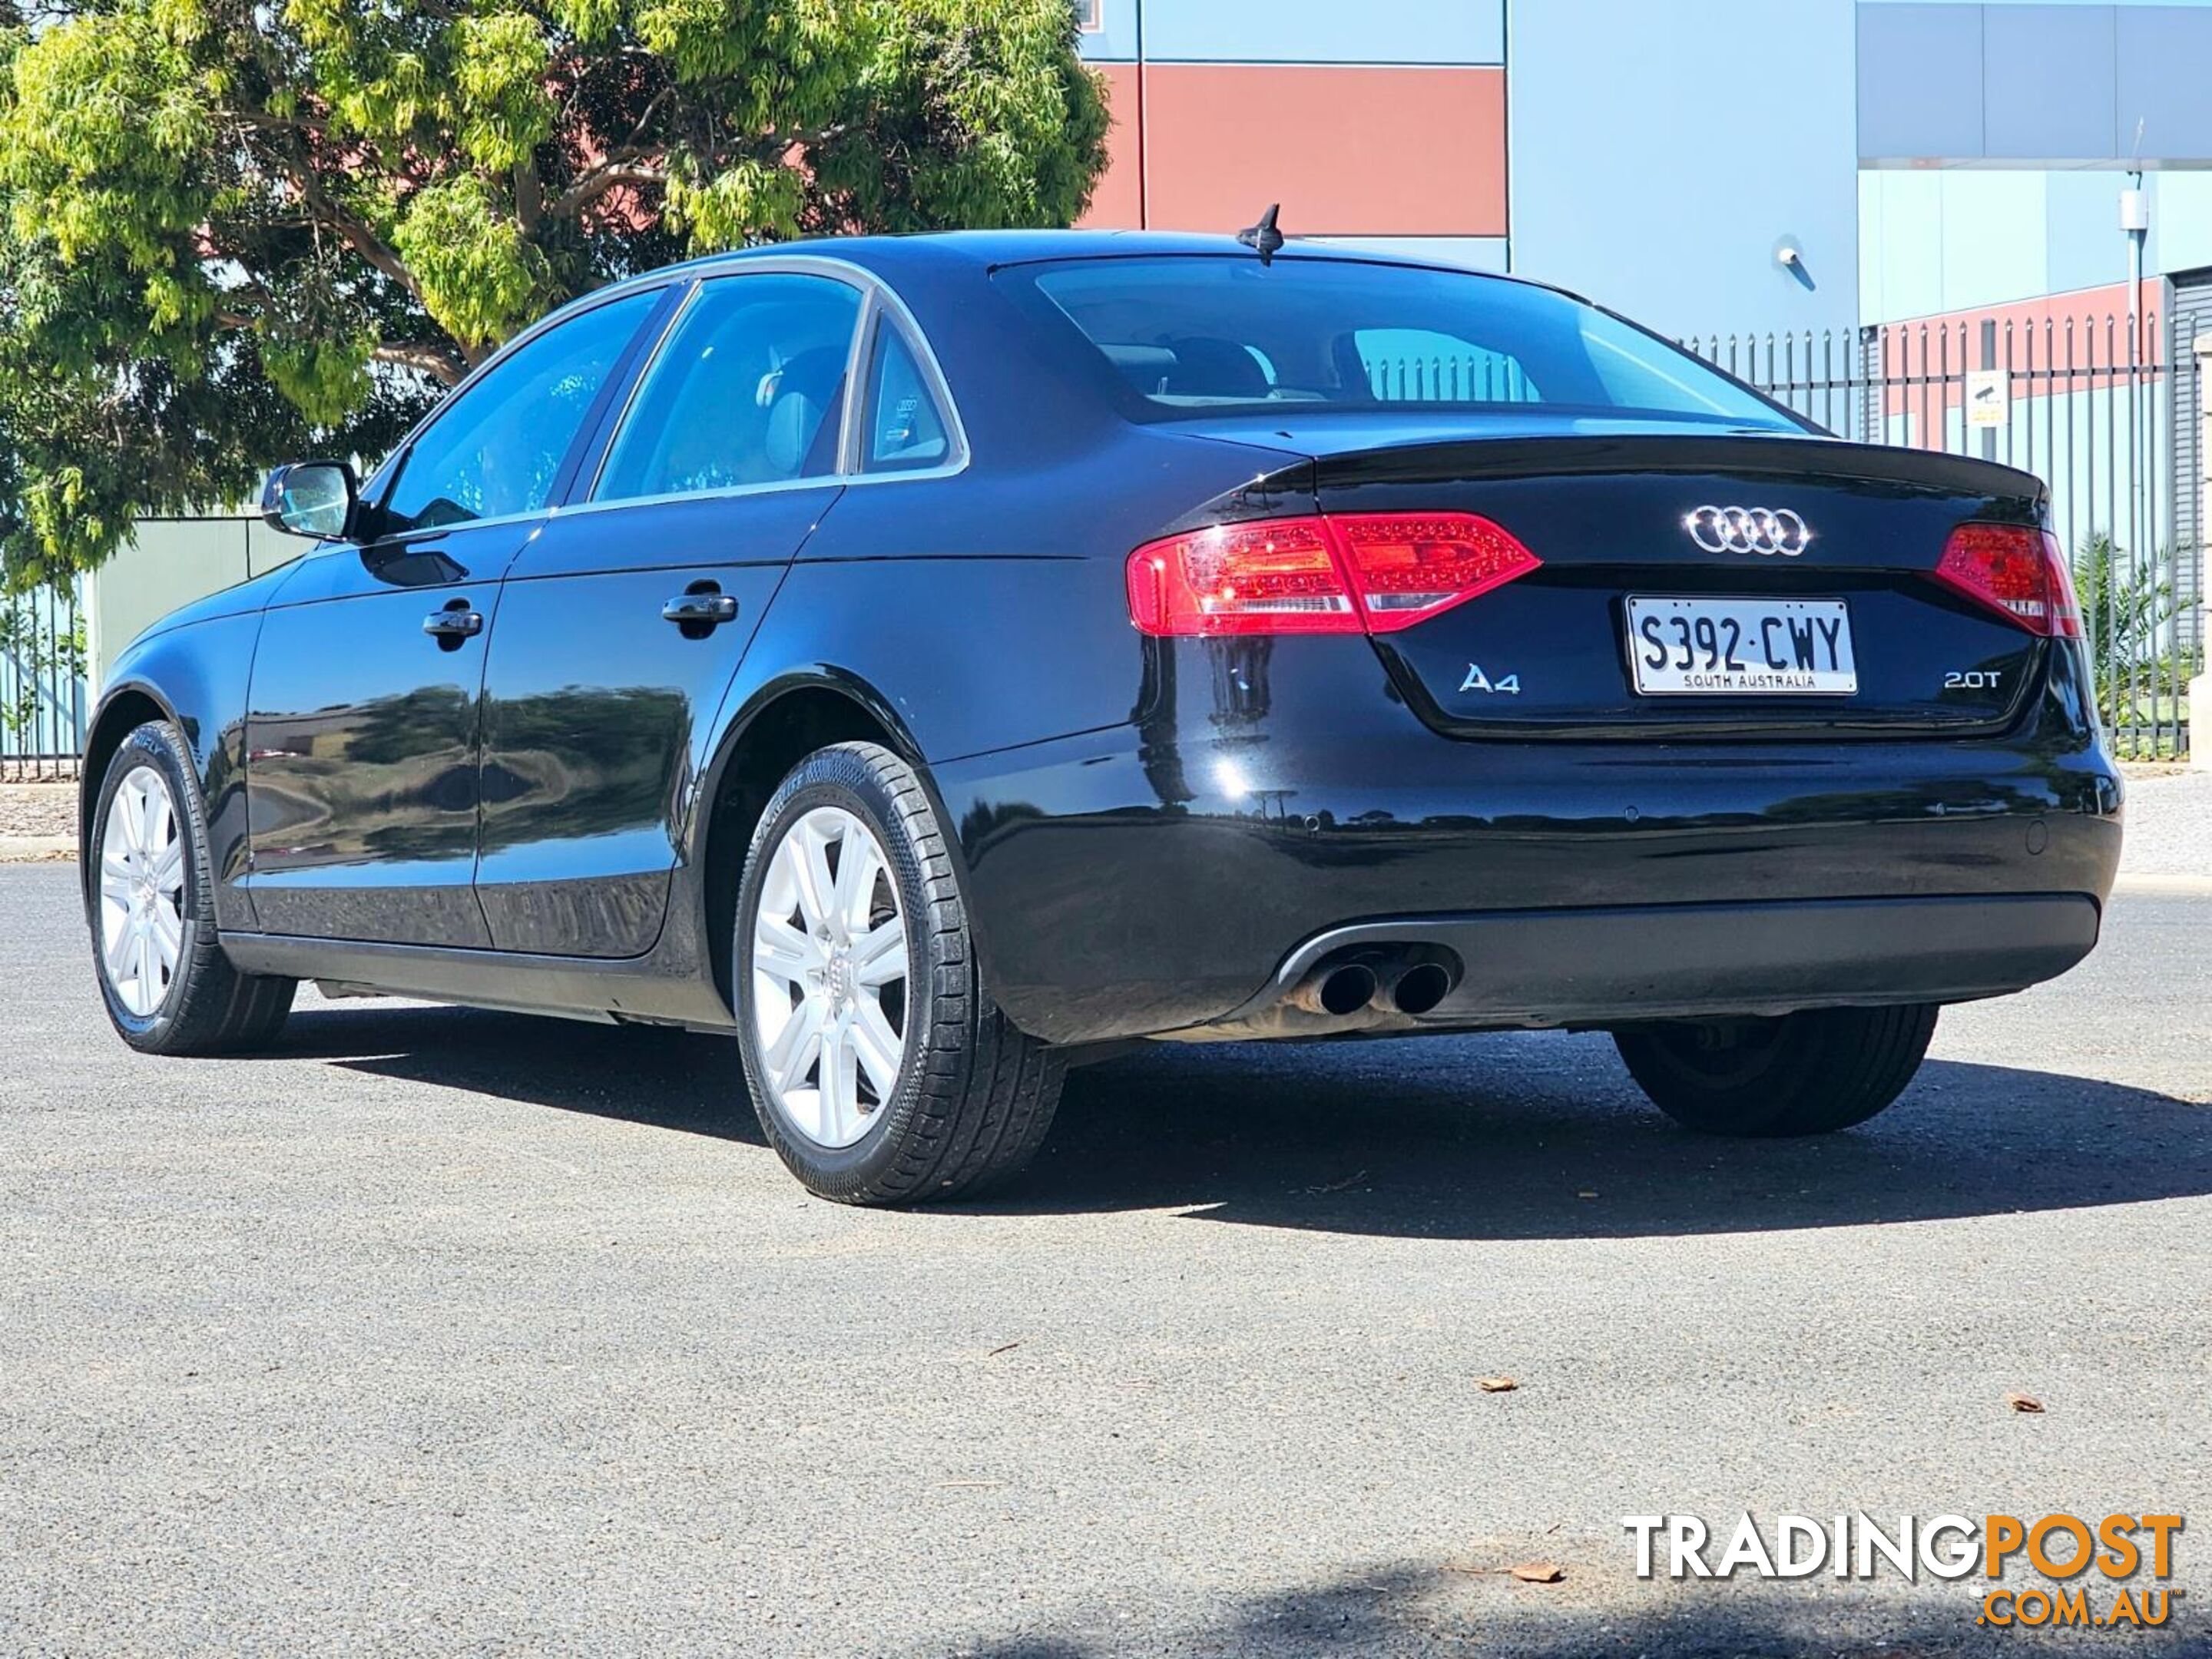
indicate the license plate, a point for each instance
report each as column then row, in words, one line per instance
column 1741, row 648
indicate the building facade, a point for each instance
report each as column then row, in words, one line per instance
column 1707, row 165
column 1767, row 177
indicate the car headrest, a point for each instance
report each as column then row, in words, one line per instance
column 794, row 420
column 799, row 394
column 1208, row 367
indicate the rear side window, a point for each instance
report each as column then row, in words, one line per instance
column 747, row 390
column 1187, row 333
column 905, row 428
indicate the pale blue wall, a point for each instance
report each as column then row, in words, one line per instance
column 1944, row 241
column 1115, row 40
column 2040, row 92
column 2082, row 246
column 1631, row 183
column 1312, row 31
column 2068, row 84
column 2181, row 220
column 1963, row 109
column 1373, row 31
column 1955, row 239
column 1920, row 92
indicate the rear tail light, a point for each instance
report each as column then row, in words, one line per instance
column 1405, row 567
column 1279, row 576
column 2017, row 571
column 1346, row 573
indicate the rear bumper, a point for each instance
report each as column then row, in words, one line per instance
column 1134, row 881
column 1632, row 963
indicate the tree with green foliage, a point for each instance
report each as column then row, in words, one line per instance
column 235, row 230
column 2125, row 607
column 2131, row 620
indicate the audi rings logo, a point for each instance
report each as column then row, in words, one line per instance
column 1748, row 530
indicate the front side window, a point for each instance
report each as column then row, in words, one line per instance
column 497, row 449
column 905, row 428
column 1193, row 332
column 747, row 391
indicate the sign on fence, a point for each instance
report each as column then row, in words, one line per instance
column 1989, row 398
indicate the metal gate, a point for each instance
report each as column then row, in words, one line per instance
column 42, row 695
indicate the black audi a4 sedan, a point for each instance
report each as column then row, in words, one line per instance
column 937, row 661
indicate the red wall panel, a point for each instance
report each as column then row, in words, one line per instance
column 1117, row 201
column 1347, row 151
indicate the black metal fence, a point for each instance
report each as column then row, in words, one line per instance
column 2088, row 403
column 42, row 695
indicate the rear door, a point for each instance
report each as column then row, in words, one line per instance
column 623, row 621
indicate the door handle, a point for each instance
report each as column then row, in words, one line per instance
column 455, row 623
column 699, row 610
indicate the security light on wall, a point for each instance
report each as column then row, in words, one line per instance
column 1788, row 256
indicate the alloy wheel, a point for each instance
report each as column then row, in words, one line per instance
column 142, row 891
column 829, row 977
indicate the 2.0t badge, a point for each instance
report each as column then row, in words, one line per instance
column 1748, row 530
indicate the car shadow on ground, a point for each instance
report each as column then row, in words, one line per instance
column 669, row 1079
column 1510, row 1136
column 1478, row 1609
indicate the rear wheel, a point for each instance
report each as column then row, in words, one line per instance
column 1801, row 1074
column 168, row 986
column 881, row 1072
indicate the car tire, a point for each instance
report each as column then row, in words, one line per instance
column 1806, row 1073
column 150, row 902
column 971, row 1096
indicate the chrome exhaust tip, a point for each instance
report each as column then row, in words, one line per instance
column 1341, row 990
column 1421, row 988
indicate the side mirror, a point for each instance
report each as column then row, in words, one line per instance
column 312, row 498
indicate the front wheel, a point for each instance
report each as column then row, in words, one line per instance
column 1805, row 1074
column 881, row 1070
column 168, row 986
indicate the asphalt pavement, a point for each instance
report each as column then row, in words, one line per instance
column 445, row 1332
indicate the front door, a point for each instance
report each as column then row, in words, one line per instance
column 364, row 732
column 623, row 625
column 362, row 743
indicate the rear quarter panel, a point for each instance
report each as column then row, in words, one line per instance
column 990, row 609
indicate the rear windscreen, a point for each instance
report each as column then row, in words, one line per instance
column 1192, row 332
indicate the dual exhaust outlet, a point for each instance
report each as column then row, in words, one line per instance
column 1411, row 982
